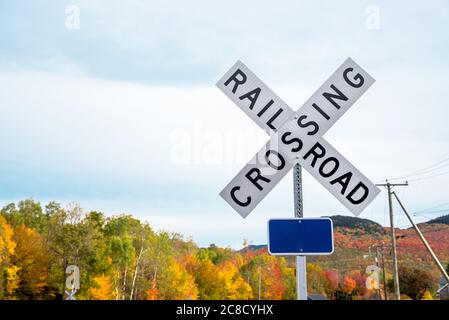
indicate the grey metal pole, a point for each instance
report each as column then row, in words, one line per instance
column 301, row 262
column 426, row 244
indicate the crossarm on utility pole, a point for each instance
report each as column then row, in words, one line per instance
column 426, row 244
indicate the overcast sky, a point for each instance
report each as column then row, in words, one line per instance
column 120, row 112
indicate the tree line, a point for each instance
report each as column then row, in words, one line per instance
column 123, row 258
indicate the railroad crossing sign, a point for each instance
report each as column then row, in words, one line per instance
column 297, row 137
column 303, row 236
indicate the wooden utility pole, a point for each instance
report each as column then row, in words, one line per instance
column 388, row 185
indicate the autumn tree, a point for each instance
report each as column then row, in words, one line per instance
column 32, row 260
column 208, row 279
column 102, row 289
column 236, row 288
column 332, row 280
column 8, row 272
column 317, row 282
column 360, row 289
column 414, row 282
column 161, row 249
column 348, row 285
column 266, row 268
column 289, row 279
column 175, row 283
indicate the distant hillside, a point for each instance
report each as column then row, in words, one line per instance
column 356, row 240
column 440, row 220
column 357, row 223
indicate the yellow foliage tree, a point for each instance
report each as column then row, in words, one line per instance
column 7, row 244
column 175, row 283
column 235, row 287
column 8, row 272
column 317, row 282
column 12, row 280
column 32, row 258
column 103, row 289
column 427, row 296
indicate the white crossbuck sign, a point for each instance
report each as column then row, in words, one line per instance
column 297, row 137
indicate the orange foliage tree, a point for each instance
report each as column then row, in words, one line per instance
column 348, row 285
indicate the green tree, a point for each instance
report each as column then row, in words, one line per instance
column 27, row 212
column 72, row 240
column 215, row 254
column 129, row 243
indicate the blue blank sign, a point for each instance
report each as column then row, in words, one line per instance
column 300, row 236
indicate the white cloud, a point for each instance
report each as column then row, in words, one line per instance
column 70, row 133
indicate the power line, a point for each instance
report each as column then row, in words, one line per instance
column 424, row 215
column 434, row 207
column 438, row 213
column 429, row 177
column 425, row 170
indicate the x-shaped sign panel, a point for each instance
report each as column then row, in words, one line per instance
column 297, row 137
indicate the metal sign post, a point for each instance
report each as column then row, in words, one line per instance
column 301, row 261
